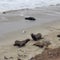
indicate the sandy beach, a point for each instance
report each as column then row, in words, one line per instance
column 13, row 26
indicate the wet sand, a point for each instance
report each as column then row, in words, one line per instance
column 13, row 26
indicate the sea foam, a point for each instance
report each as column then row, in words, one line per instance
column 19, row 4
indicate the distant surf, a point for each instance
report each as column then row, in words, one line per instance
column 21, row 4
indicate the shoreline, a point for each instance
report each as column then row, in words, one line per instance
column 43, row 7
column 13, row 26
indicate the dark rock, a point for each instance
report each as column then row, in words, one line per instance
column 21, row 43
column 30, row 18
column 58, row 35
column 36, row 37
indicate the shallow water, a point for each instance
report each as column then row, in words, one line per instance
column 11, row 22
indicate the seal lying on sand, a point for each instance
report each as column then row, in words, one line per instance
column 30, row 18
column 42, row 44
column 36, row 37
column 21, row 43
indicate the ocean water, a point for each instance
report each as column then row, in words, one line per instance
column 19, row 4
